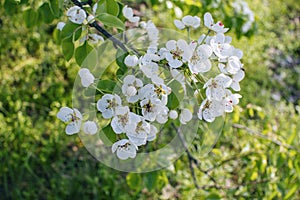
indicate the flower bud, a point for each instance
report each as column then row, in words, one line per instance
column 131, row 91
column 173, row 114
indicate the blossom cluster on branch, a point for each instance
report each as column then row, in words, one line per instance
column 143, row 100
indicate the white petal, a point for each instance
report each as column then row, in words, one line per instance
column 185, row 116
column 171, row 45
column 208, row 20
column 65, row 114
column 179, row 24
column 72, row 128
column 127, row 12
column 131, row 60
column 173, row 114
column 90, row 127
column 76, row 15
column 60, row 25
column 134, row 19
column 115, row 126
column 118, row 143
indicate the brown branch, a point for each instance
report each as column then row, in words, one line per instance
column 106, row 34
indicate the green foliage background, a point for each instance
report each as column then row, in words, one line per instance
column 258, row 160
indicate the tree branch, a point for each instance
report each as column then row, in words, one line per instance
column 106, row 34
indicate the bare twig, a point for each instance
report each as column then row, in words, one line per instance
column 259, row 134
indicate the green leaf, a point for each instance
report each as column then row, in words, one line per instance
column 291, row 192
column 213, row 196
column 134, row 181
column 111, row 21
column 67, row 48
column 151, row 179
column 10, row 6
column 109, row 133
column 173, row 102
column 108, row 6
column 82, row 52
column 54, row 7
column 46, row 13
column 69, row 29
column 31, row 18
column 106, row 85
column 120, row 56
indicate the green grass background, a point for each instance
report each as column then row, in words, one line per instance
column 38, row 161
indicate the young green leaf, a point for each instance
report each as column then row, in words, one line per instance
column 82, row 52
column 111, row 21
column 67, row 48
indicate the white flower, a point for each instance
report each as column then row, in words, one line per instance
column 138, row 134
column 149, row 67
column 235, row 85
column 130, row 86
column 188, row 21
column 232, row 66
column 125, row 149
column 71, row 116
column 128, row 14
column 152, row 135
column 123, row 120
column 131, row 60
column 177, row 53
column 199, row 62
column 221, row 46
column 231, row 100
column 108, row 104
column 95, row 38
column 179, row 24
column 151, row 108
column 147, row 92
column 179, row 76
column 160, row 91
column 86, row 76
column 92, row 38
column 241, row 6
column 173, row 114
column 217, row 27
column 76, row 15
column 153, row 35
column 216, row 87
column 185, row 116
column 90, row 127
column 162, row 116
column 204, row 39
column 60, row 25
column 209, row 110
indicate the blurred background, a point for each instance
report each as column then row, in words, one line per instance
column 257, row 155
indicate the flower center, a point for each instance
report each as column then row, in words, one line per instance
column 177, row 53
column 123, row 119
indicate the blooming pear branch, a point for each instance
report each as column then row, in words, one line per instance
column 95, row 24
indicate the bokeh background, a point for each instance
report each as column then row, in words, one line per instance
column 257, row 155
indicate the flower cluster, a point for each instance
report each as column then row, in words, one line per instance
column 242, row 7
column 143, row 101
